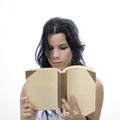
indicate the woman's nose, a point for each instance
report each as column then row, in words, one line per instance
column 56, row 53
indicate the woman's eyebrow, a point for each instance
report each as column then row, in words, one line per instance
column 63, row 44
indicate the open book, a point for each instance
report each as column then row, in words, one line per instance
column 46, row 86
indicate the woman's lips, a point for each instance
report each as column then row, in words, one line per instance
column 56, row 63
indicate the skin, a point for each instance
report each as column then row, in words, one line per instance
column 60, row 52
column 60, row 56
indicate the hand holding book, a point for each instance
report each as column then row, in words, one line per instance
column 71, row 110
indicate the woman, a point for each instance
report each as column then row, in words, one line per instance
column 60, row 47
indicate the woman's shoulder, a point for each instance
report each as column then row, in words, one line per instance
column 99, row 89
column 99, row 84
column 99, row 98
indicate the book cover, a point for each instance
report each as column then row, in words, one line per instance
column 46, row 86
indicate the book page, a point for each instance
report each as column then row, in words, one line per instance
column 78, row 66
column 83, row 87
column 42, row 90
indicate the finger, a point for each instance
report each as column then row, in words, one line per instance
column 74, row 102
column 76, row 107
column 27, row 113
column 66, row 105
column 68, row 111
column 59, row 111
column 64, row 110
column 29, row 105
column 70, row 103
column 28, row 110
column 23, row 99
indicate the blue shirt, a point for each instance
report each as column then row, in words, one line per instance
column 51, row 115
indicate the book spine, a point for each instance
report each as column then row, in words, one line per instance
column 93, row 75
column 29, row 73
column 62, row 88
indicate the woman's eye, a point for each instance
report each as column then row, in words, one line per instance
column 50, row 48
column 64, row 47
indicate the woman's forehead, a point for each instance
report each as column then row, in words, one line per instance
column 59, row 38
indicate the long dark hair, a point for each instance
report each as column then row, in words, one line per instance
column 60, row 25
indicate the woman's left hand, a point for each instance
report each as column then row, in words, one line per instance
column 71, row 110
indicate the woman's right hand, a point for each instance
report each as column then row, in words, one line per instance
column 28, row 110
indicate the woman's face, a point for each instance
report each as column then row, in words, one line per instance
column 60, row 55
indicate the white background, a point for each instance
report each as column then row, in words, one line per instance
column 21, row 22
